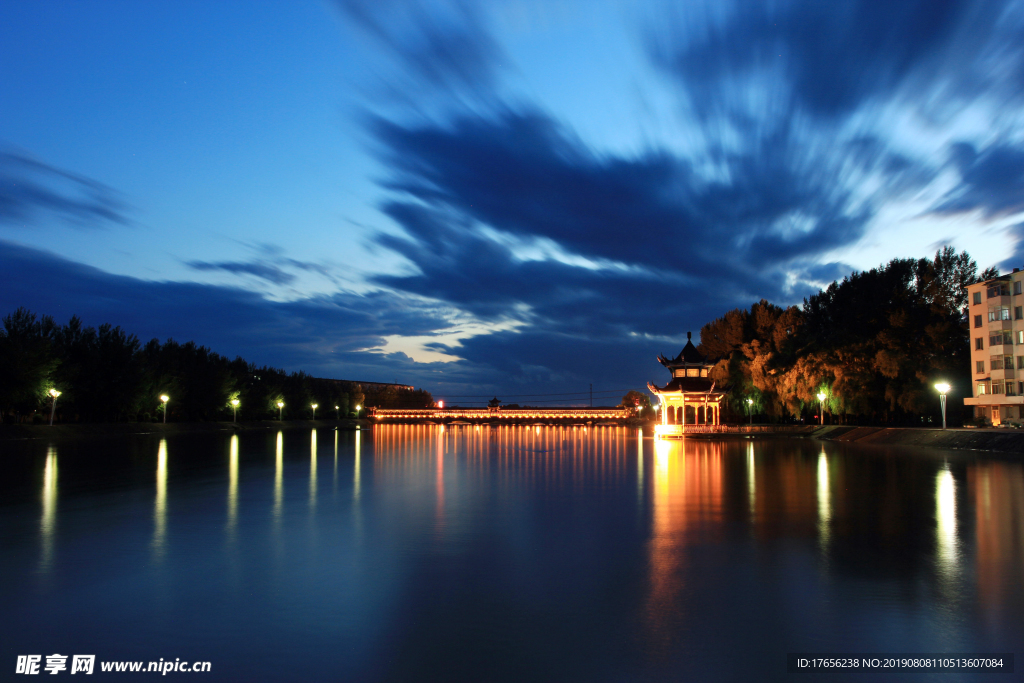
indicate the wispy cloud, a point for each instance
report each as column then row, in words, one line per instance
column 30, row 188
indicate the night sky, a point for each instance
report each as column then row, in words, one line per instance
column 503, row 197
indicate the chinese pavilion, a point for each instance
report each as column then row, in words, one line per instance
column 690, row 397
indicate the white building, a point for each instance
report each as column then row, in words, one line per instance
column 997, row 348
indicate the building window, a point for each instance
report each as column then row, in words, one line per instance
column 997, row 386
column 1004, row 313
column 1008, row 362
column 1016, row 287
column 1018, row 313
column 977, row 321
column 996, row 362
column 982, row 389
column 998, row 313
column 977, row 297
column 1020, row 362
column 1009, row 389
column 1020, row 337
column 981, row 367
column 979, row 343
column 1001, row 337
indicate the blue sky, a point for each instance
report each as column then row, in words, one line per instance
column 491, row 197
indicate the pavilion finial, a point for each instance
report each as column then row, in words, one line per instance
column 688, row 335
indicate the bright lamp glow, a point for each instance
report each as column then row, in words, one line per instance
column 750, row 401
column 942, row 388
column 54, row 393
column 315, row 406
column 280, row 404
column 235, row 402
column 821, row 396
column 165, row 398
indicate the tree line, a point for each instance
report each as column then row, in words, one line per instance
column 105, row 374
column 873, row 344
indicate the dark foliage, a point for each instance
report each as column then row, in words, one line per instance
column 105, row 375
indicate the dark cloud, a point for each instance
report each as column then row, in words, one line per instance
column 322, row 335
column 991, row 180
column 670, row 249
column 829, row 58
column 30, row 189
column 441, row 44
column 262, row 270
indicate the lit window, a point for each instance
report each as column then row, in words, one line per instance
column 979, row 343
column 981, row 367
column 977, row 297
column 1004, row 313
column 982, row 389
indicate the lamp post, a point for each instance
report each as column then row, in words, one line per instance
column 280, row 411
column 234, row 409
column 337, row 413
column 943, row 389
column 358, row 408
column 314, row 409
column 54, row 393
column 750, row 410
column 821, row 408
column 164, row 398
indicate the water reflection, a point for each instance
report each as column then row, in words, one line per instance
column 355, row 475
column 945, row 527
column 312, row 470
column 824, row 500
column 687, row 504
column 278, row 479
column 751, row 480
column 48, row 522
column 160, row 504
column 233, row 485
column 997, row 492
column 640, row 466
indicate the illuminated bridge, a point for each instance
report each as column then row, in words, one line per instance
column 617, row 415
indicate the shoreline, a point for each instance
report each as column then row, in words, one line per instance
column 992, row 440
column 988, row 439
column 78, row 431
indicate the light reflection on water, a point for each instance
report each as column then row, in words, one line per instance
column 461, row 540
column 48, row 520
column 160, row 502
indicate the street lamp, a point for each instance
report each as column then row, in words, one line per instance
column 280, row 410
column 750, row 409
column 821, row 404
column 54, row 393
column 358, row 408
column 943, row 389
column 234, row 409
column 337, row 413
column 165, row 398
column 314, row 410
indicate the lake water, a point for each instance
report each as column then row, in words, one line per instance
column 506, row 554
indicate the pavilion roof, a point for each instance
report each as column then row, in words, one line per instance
column 688, row 356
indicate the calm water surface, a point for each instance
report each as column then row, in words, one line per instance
column 511, row 554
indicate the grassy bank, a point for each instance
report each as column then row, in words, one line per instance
column 76, row 431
